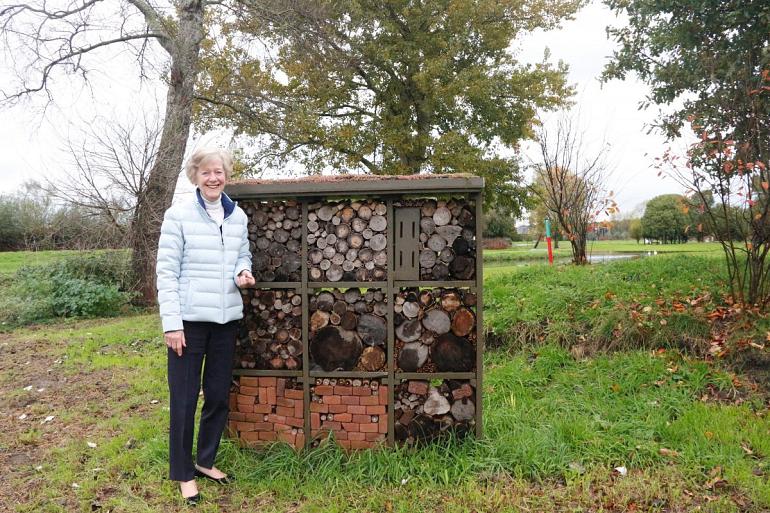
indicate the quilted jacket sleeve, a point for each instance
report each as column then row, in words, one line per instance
column 244, row 255
column 168, row 269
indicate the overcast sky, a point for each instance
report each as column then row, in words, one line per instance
column 31, row 140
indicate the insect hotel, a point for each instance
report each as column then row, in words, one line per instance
column 366, row 320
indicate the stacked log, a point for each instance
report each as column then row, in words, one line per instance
column 435, row 330
column 264, row 410
column 348, row 330
column 347, row 241
column 424, row 413
column 270, row 335
column 275, row 237
column 353, row 411
column 447, row 239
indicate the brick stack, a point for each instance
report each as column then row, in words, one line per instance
column 354, row 411
column 267, row 409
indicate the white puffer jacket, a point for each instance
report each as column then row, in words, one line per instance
column 197, row 264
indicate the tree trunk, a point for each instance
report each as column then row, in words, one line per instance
column 161, row 183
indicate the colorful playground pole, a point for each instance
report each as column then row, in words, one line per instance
column 548, row 240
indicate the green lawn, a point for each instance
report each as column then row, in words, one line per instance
column 11, row 261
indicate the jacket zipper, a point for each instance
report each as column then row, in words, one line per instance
column 222, row 259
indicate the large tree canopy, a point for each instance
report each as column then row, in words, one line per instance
column 665, row 219
column 386, row 87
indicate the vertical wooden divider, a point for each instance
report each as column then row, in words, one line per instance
column 390, row 297
column 305, row 331
column 479, row 198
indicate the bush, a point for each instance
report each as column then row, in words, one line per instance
column 92, row 286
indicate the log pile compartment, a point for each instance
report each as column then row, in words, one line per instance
column 270, row 336
column 426, row 411
column 353, row 411
column 435, row 330
column 347, row 241
column 348, row 330
column 275, row 240
column 267, row 409
column 446, row 245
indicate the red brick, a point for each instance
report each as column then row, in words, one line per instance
column 280, row 386
column 300, row 441
column 340, row 435
column 267, row 382
column 285, row 412
column 342, row 390
column 352, row 426
column 315, row 420
column 345, row 444
column 252, row 436
column 383, row 424
column 249, row 381
column 382, row 394
column 350, row 399
column 245, row 408
column 356, row 409
column 338, row 408
column 263, row 426
column 281, row 427
column 464, row 391
column 362, row 419
column 253, row 391
column 244, row 426
column 343, row 417
column 376, row 410
column 362, row 391
column 359, row 444
column 270, row 436
column 262, row 395
column 319, row 408
column 324, row 390
column 369, row 428
column 282, row 401
column 295, row 422
column 299, row 409
column 245, row 399
column 332, row 399
column 418, row 387
column 294, row 394
column 263, row 408
column 271, row 396
column 233, row 402
column 287, row 437
column 278, row 419
column 236, row 415
column 374, row 437
column 356, row 435
column 231, row 430
column 254, row 417
column 328, row 424
column 369, row 400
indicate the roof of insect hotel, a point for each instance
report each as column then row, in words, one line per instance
column 362, row 185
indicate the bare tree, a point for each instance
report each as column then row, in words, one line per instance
column 570, row 182
column 110, row 166
column 43, row 39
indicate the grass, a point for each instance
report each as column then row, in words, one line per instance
column 555, row 427
column 12, row 261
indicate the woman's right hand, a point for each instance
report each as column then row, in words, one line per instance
column 175, row 341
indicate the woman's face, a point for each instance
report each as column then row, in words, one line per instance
column 210, row 178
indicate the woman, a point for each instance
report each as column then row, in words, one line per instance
column 203, row 257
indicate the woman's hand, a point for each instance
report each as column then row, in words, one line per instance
column 175, row 340
column 245, row 279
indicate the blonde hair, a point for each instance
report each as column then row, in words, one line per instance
column 202, row 155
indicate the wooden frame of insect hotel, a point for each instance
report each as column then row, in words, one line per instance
column 366, row 320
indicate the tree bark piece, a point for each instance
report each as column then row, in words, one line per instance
column 373, row 359
column 332, row 352
column 451, row 353
column 463, row 322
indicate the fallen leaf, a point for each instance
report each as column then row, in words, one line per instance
column 670, row 453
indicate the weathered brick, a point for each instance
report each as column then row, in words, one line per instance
column 253, row 391
column 338, row 408
column 382, row 395
column 263, row 408
column 332, row 399
column 350, row 399
column 294, row 394
column 271, row 397
column 270, row 436
column 324, row 390
column 315, row 420
column 296, row 422
column 376, row 410
column 362, row 419
column 369, row 428
column 278, row 419
column 463, row 391
column 245, row 399
column 319, row 407
column 351, row 426
column 299, row 409
column 263, row 426
column 299, row 441
column 249, row 381
column 360, row 391
column 236, row 415
column 280, row 386
column 418, row 387
column 345, row 444
column 233, row 402
column 340, row 435
column 356, row 435
column 369, row 400
column 343, row 390
column 254, row 417
column 284, row 411
column 282, row 401
column 288, row 437
column 281, row 427
column 359, row 444
column 267, row 382
column 374, row 437
column 244, row 426
column 356, row 409
column 262, row 395
column 245, row 408
column 251, row 436
column 331, row 425
column 343, row 417
column 383, row 424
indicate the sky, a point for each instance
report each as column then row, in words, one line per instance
column 32, row 137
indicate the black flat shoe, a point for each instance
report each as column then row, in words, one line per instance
column 193, row 500
column 219, row 480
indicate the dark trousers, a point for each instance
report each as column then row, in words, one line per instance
column 214, row 343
